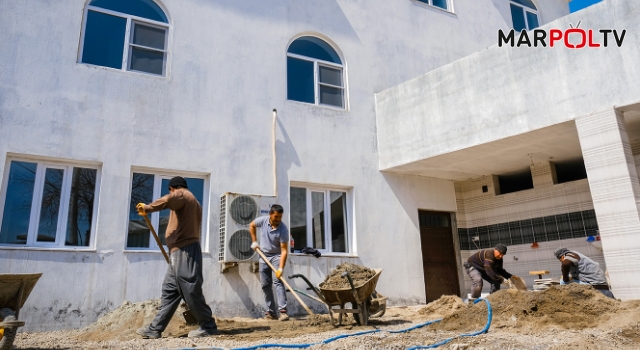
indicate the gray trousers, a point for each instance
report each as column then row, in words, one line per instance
column 476, row 282
column 183, row 280
column 267, row 277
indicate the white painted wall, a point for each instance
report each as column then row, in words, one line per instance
column 212, row 116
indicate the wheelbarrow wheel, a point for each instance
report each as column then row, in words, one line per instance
column 6, row 342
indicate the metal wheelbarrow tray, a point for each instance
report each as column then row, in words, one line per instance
column 364, row 299
column 14, row 291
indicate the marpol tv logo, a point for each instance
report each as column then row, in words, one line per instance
column 572, row 38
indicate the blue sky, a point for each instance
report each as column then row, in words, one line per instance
column 576, row 5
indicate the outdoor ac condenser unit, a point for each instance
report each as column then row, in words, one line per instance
column 237, row 211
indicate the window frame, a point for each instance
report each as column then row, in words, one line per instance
column 429, row 3
column 42, row 165
column 350, row 225
column 524, row 12
column 158, row 176
column 316, row 75
column 128, row 38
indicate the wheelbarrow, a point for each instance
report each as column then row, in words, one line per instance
column 14, row 291
column 365, row 301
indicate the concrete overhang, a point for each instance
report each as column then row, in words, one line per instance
column 505, row 98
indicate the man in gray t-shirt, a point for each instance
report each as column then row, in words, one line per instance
column 274, row 243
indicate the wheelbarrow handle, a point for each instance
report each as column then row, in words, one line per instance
column 311, row 286
column 348, row 276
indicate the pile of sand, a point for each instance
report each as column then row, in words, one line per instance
column 123, row 322
column 571, row 307
column 445, row 306
column 359, row 275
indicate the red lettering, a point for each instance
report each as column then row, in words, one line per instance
column 591, row 43
column 582, row 33
column 554, row 35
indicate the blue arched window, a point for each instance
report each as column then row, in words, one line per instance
column 125, row 34
column 524, row 15
column 315, row 73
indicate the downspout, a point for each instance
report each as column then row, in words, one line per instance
column 275, row 171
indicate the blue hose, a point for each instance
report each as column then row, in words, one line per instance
column 483, row 330
column 341, row 336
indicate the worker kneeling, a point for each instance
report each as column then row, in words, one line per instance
column 583, row 270
column 487, row 264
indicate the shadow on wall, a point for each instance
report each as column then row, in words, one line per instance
column 238, row 285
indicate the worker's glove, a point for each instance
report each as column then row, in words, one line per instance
column 255, row 245
column 506, row 282
column 141, row 211
column 279, row 273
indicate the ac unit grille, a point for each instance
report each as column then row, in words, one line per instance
column 243, row 210
column 240, row 245
column 223, row 211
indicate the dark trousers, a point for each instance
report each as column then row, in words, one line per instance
column 476, row 282
column 184, row 281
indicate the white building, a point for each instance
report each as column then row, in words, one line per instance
column 101, row 102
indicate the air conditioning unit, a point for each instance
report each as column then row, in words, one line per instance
column 237, row 211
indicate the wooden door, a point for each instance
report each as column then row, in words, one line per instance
column 438, row 255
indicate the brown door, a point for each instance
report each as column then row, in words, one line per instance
column 438, row 255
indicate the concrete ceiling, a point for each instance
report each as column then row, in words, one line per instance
column 555, row 143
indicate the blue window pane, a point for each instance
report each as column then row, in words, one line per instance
column 50, row 208
column 104, row 40
column 526, row 3
column 300, row 80
column 532, row 20
column 313, row 47
column 17, row 205
column 83, row 189
column 440, row 3
column 141, row 192
column 517, row 15
column 141, row 8
column 146, row 61
column 196, row 186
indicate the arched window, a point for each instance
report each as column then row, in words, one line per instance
column 125, row 34
column 315, row 73
column 524, row 14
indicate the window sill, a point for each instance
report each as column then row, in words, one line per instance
column 420, row 3
column 48, row 249
column 153, row 251
column 125, row 72
column 318, row 106
column 327, row 255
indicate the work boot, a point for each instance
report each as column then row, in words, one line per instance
column 146, row 333
column 270, row 317
column 283, row 316
column 199, row 333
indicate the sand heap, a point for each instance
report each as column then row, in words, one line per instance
column 572, row 307
column 123, row 322
column 445, row 306
column 359, row 275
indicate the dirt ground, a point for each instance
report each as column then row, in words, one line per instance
column 572, row 316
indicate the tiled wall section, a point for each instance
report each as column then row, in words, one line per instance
column 535, row 259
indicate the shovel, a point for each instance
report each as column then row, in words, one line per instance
column 518, row 283
column 189, row 318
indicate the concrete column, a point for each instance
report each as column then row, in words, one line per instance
column 615, row 190
column 543, row 174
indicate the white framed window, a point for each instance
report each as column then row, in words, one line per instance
column 148, row 186
column 49, row 204
column 129, row 35
column 320, row 218
column 315, row 73
column 443, row 4
column 524, row 15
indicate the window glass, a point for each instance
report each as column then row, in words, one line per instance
column 517, row 15
column 317, row 219
column 527, row 3
column 17, row 205
column 83, row 185
column 300, row 80
column 50, row 206
column 532, row 20
column 330, row 96
column 147, row 61
column 338, row 221
column 141, row 8
column 440, row 3
column 315, row 48
column 104, row 40
column 148, row 36
column 298, row 223
column 331, row 76
column 141, row 192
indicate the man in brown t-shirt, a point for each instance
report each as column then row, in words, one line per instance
column 183, row 279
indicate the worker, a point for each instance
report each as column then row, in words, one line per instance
column 487, row 264
column 183, row 279
column 274, row 242
column 583, row 270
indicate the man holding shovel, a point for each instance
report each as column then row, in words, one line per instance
column 274, row 243
column 487, row 264
column 183, row 279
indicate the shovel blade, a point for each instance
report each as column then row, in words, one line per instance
column 518, row 283
column 189, row 318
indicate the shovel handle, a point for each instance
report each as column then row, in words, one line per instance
column 285, row 282
column 155, row 235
